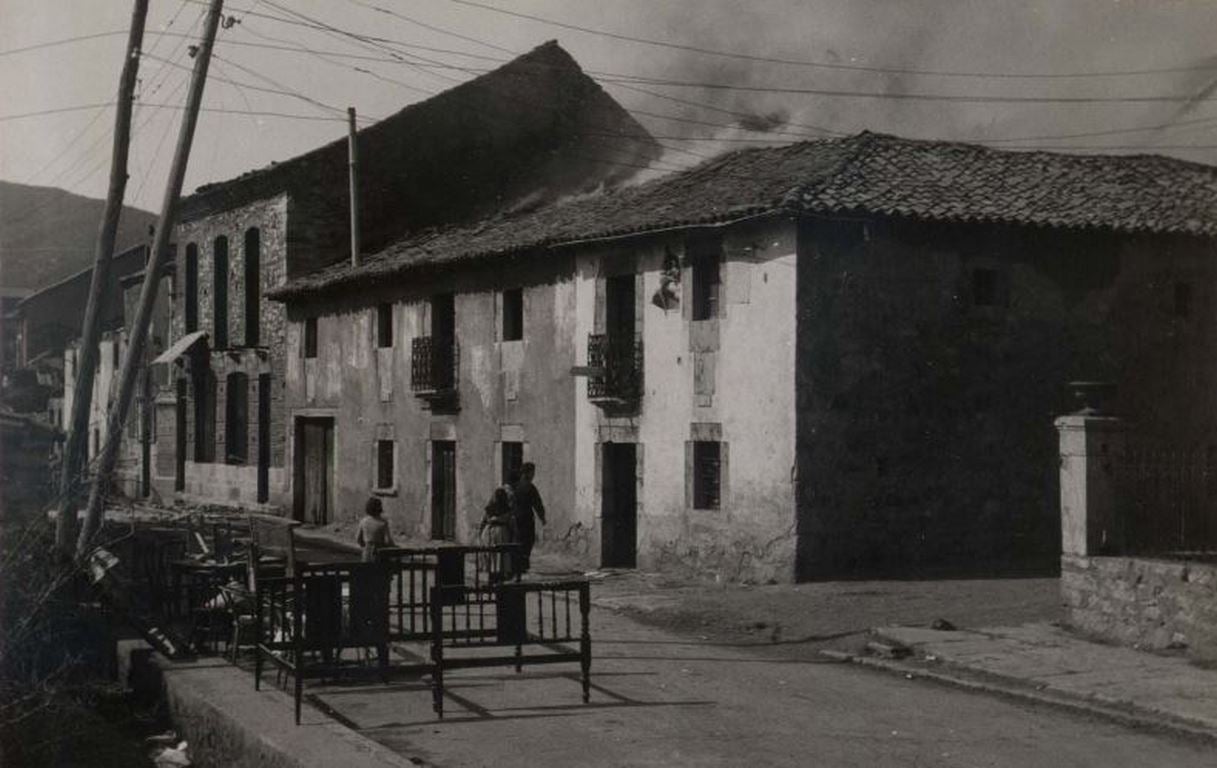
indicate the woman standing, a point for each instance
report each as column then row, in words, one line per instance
column 498, row 527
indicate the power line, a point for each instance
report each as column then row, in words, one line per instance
column 67, row 147
column 63, row 41
column 434, row 28
column 365, row 41
column 830, row 65
column 325, row 56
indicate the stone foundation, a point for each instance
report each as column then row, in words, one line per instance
column 1153, row 604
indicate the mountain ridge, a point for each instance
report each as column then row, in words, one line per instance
column 48, row 233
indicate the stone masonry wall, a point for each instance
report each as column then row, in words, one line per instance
column 1155, row 604
column 238, row 483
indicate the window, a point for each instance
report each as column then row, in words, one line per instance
column 513, row 458
column 707, row 477
column 1183, row 300
column 513, row 314
column 220, row 321
column 236, row 419
column 984, row 288
column 384, row 325
column 706, row 282
column 310, row 337
column 192, row 288
column 204, row 417
column 384, row 464
column 253, row 286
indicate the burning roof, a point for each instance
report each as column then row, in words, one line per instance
column 868, row 173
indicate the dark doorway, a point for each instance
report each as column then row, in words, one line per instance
column 443, row 489
column 179, row 439
column 443, row 317
column 314, row 470
column 619, row 308
column 263, row 437
column 619, row 505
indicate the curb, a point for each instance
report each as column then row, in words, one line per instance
column 215, row 709
column 1121, row 713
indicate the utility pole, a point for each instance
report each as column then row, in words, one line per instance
column 138, row 336
column 70, row 478
column 353, row 159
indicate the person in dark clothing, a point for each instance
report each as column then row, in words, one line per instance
column 527, row 503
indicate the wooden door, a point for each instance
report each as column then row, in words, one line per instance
column 263, row 437
column 315, row 458
column 619, row 505
column 179, row 438
column 443, row 489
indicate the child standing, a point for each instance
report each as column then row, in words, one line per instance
column 373, row 531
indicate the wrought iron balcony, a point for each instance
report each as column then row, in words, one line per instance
column 433, row 367
column 615, row 366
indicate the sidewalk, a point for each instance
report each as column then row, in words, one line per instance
column 1048, row 664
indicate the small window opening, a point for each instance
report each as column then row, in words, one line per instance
column 513, row 314
column 310, row 337
column 384, row 464
column 384, row 325
column 707, row 477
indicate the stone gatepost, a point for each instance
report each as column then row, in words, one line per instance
column 1090, row 443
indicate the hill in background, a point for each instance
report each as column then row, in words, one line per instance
column 47, row 234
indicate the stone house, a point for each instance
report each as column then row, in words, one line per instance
column 834, row 359
column 223, row 432
column 139, row 451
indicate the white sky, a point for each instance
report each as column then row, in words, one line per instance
column 992, row 36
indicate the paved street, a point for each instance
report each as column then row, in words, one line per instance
column 663, row 699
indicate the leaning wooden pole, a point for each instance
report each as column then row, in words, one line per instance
column 71, row 476
column 138, row 333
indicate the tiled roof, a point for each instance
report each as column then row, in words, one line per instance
column 866, row 173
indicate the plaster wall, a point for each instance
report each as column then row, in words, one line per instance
column 507, row 390
column 734, row 375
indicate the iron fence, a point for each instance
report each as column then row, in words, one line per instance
column 434, row 362
column 617, row 365
column 1166, row 499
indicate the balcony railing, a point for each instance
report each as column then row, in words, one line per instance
column 433, row 366
column 616, row 365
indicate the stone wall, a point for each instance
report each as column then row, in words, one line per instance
column 1154, row 604
column 219, row 481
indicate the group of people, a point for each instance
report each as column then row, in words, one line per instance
column 510, row 517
